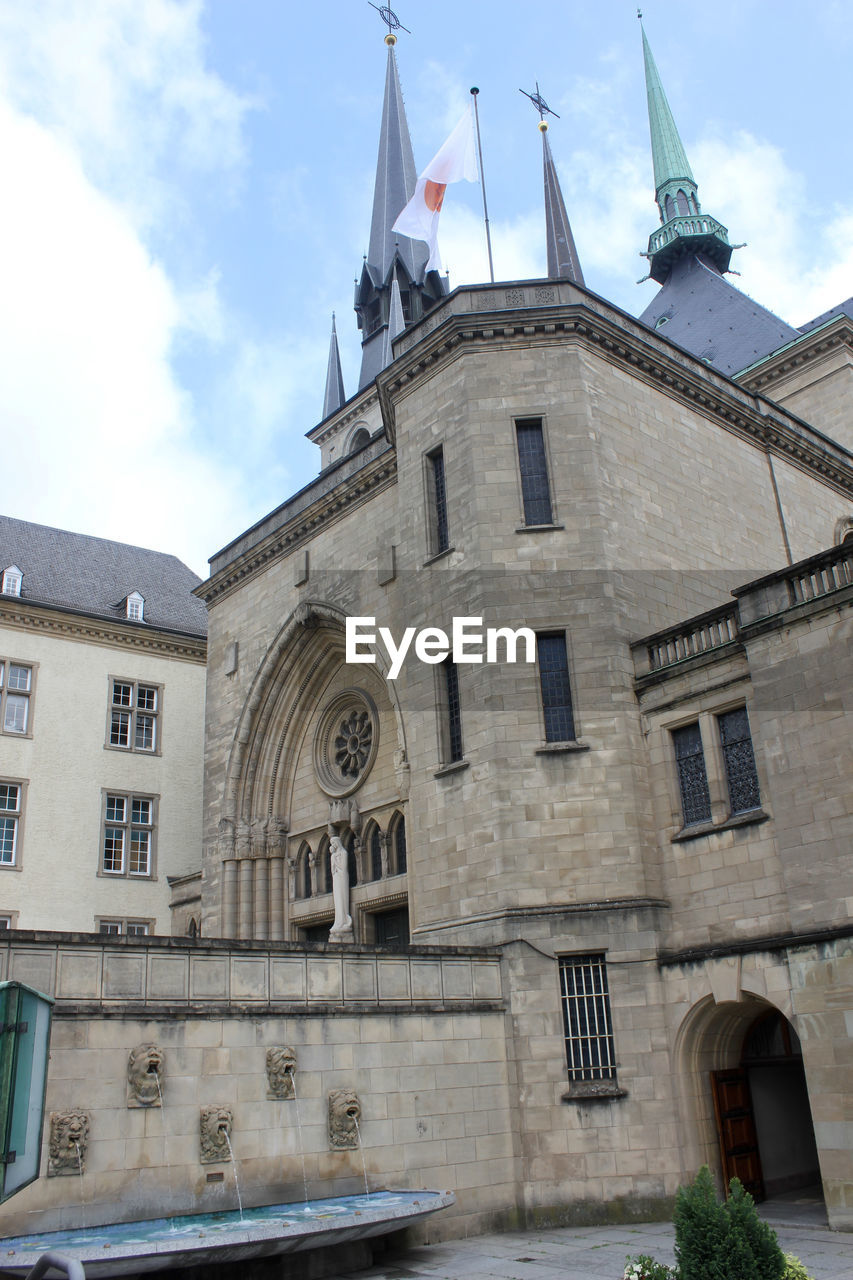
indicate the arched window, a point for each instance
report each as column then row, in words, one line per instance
column 348, row 841
column 303, row 871
column 668, row 207
column 359, row 440
column 324, row 866
column 398, row 844
column 373, row 844
column 681, row 201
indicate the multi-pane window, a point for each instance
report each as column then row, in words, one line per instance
column 132, row 928
column 16, row 687
column 739, row 761
column 10, row 815
column 692, row 775
column 533, row 468
column 437, row 490
column 452, row 712
column 557, row 711
column 12, row 579
column 587, row 1024
column 128, row 835
column 134, row 715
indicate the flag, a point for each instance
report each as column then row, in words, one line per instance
column 455, row 160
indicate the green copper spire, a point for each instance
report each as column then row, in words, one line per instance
column 685, row 229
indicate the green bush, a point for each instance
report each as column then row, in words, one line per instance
column 753, row 1243
column 794, row 1269
column 723, row 1241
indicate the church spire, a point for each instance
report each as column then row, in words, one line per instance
column 334, row 396
column 685, row 228
column 391, row 256
column 563, row 260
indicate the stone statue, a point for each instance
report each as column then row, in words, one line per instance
column 341, row 930
column 281, row 1064
column 344, row 1113
column 145, row 1076
column 69, row 1139
column 215, row 1134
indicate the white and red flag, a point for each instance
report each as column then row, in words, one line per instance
column 455, row 160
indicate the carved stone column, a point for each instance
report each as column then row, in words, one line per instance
column 261, row 878
column 276, row 846
column 243, row 846
column 229, row 878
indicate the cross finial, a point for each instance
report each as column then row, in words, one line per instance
column 539, row 103
column 391, row 20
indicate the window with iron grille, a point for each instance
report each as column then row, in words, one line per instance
column 128, row 841
column 590, row 1053
column 739, row 760
column 533, row 468
column 16, row 690
column 692, row 775
column 437, row 489
column 134, row 716
column 557, row 709
column 452, row 713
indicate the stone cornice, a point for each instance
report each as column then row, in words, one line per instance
column 328, row 507
column 25, row 616
column 351, row 412
column 818, row 342
column 631, row 346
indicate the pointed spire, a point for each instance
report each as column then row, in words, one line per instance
column 396, row 324
column 396, row 178
column 563, row 261
column 335, row 396
column 685, row 229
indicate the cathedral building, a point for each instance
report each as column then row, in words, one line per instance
column 566, row 902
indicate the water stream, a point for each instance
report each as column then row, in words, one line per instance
column 361, row 1149
column 165, row 1138
column 234, row 1167
column 82, row 1197
column 301, row 1143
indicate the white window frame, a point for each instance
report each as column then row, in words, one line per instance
column 11, row 688
column 130, row 706
column 135, row 607
column 118, row 827
column 115, row 927
column 14, row 815
column 12, row 580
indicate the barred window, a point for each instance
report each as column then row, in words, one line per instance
column 437, row 487
column 128, row 842
column 533, row 467
column 739, row 759
column 692, row 775
column 134, row 713
column 590, row 1053
column 557, row 709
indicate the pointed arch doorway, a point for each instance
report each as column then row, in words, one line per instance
column 762, row 1112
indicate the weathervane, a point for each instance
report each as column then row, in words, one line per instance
column 538, row 101
column 389, row 17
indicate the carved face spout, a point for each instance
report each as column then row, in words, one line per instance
column 344, row 1114
column 145, row 1076
column 69, row 1137
column 281, row 1066
column 215, row 1134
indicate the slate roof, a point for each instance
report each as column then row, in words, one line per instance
column 713, row 320
column 843, row 309
column 93, row 576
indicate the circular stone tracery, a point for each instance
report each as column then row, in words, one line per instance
column 345, row 742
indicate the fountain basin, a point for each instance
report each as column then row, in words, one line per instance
column 132, row 1248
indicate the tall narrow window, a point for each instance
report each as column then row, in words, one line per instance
column 10, row 814
column 398, row 844
column 739, row 759
column 590, row 1052
column 557, row 709
column 692, row 775
column 452, row 713
column 437, row 489
column 303, row 886
column 374, row 849
column 16, row 686
column 533, row 467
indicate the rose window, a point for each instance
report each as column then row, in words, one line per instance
column 346, row 741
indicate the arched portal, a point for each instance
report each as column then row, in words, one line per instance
column 745, row 1096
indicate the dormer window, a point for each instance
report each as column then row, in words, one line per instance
column 12, row 579
column 135, row 607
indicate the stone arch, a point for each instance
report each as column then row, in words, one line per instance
column 372, row 841
column 844, row 530
column 358, row 438
column 303, row 870
column 397, row 848
column 711, row 1039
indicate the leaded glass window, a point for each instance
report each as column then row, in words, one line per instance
column 439, row 528
column 692, row 775
column 739, row 759
column 453, row 711
column 533, row 466
column 590, row 1052
column 557, row 709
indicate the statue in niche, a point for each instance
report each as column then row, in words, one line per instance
column 216, row 1134
column 145, row 1076
column 344, row 1114
column 69, row 1140
column 281, row 1064
column 341, row 930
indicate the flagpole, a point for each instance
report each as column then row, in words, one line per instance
column 474, row 93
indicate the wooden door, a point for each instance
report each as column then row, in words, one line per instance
column 736, row 1129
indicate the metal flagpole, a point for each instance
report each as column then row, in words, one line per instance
column 474, row 93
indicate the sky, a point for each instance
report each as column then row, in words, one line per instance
column 187, row 198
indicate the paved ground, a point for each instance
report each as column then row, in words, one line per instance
column 599, row 1253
